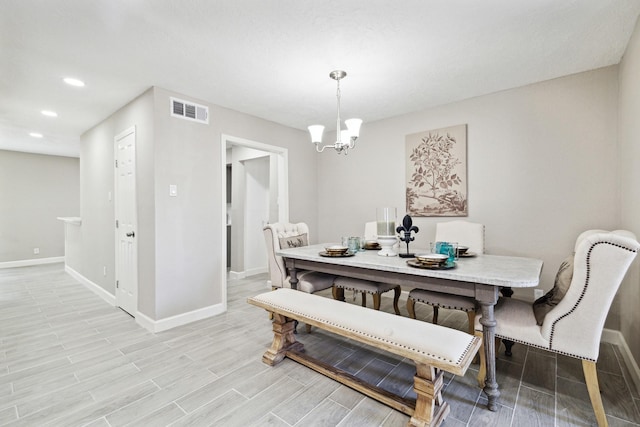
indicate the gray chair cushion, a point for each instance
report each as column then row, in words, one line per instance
column 437, row 299
column 312, row 281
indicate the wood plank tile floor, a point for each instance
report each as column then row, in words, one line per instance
column 67, row 358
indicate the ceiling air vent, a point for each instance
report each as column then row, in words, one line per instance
column 189, row 110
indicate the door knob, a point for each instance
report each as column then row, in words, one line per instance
column 132, row 234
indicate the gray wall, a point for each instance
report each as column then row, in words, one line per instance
column 542, row 167
column 629, row 137
column 34, row 190
column 97, row 203
column 180, row 239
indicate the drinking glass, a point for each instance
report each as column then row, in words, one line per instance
column 446, row 248
column 354, row 244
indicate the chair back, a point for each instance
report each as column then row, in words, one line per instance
column 464, row 233
column 272, row 234
column 602, row 259
column 370, row 231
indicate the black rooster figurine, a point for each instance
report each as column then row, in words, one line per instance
column 406, row 228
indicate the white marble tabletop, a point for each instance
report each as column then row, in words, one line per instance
column 496, row 270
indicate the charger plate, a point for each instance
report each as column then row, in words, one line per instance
column 467, row 255
column 417, row 264
column 336, row 255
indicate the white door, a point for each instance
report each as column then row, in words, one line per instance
column 126, row 222
column 256, row 210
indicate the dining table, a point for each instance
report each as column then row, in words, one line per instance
column 480, row 276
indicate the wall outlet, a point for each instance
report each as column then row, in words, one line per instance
column 537, row 293
column 36, row 251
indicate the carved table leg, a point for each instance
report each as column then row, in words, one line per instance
column 283, row 340
column 488, row 322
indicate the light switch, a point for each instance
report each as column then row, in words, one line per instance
column 173, row 190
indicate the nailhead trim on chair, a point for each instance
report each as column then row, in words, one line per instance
column 416, row 296
column 354, row 288
column 584, row 290
column 452, row 307
column 576, row 356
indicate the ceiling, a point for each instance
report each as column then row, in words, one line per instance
column 272, row 58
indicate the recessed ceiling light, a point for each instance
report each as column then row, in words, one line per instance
column 49, row 113
column 74, row 82
column 36, row 135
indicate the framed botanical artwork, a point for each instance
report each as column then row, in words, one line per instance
column 436, row 172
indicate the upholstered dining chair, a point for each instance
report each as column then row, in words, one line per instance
column 573, row 326
column 464, row 233
column 365, row 287
column 282, row 235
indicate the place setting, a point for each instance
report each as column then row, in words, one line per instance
column 442, row 257
column 371, row 245
column 432, row 262
column 336, row 251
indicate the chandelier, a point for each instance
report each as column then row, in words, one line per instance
column 345, row 139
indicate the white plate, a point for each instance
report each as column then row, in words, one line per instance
column 336, row 248
column 432, row 257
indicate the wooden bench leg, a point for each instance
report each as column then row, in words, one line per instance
column 283, row 340
column 430, row 410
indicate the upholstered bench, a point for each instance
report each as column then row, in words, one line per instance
column 433, row 348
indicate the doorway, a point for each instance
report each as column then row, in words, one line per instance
column 255, row 179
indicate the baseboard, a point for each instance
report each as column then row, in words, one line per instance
column 235, row 275
column 93, row 287
column 254, row 271
column 28, row 262
column 179, row 319
column 615, row 337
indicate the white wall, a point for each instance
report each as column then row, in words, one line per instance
column 35, row 189
column 629, row 136
column 181, row 248
column 542, row 167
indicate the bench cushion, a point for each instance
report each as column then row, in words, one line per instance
column 448, row 348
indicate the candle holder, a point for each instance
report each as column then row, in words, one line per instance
column 406, row 228
column 386, row 228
